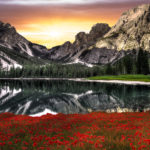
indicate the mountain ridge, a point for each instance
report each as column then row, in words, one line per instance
column 11, row 39
column 70, row 51
column 132, row 31
column 101, row 46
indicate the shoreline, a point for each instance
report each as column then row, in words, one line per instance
column 85, row 80
column 119, row 82
column 35, row 78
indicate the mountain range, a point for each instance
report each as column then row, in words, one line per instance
column 102, row 45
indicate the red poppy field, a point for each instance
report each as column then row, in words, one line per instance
column 116, row 131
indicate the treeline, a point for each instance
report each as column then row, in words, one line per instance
column 53, row 71
column 130, row 64
column 136, row 63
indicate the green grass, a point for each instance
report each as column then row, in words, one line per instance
column 145, row 78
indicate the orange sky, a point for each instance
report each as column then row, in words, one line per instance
column 50, row 23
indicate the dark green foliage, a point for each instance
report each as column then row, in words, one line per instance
column 128, row 63
column 137, row 63
column 109, row 69
column 33, row 67
column 53, row 71
column 142, row 62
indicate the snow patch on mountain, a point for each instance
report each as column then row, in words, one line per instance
column 25, row 49
column 7, row 63
column 78, row 61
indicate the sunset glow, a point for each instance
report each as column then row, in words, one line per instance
column 52, row 22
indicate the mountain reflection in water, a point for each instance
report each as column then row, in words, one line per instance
column 70, row 97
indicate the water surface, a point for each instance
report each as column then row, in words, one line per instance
column 70, row 97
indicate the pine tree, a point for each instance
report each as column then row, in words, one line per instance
column 109, row 69
column 139, row 61
column 145, row 63
column 142, row 62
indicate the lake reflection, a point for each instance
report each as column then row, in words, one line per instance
column 69, row 97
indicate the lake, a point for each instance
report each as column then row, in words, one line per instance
column 39, row 97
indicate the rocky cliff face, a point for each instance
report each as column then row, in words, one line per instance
column 102, row 56
column 11, row 39
column 104, row 45
column 132, row 31
column 15, row 50
column 71, row 52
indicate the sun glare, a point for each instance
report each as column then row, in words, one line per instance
column 52, row 34
column 55, row 34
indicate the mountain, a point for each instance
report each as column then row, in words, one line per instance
column 10, row 58
column 101, row 46
column 104, row 45
column 71, row 51
column 83, row 51
column 15, row 50
column 11, row 39
column 132, row 31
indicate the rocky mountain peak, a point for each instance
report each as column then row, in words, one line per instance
column 132, row 31
column 81, row 38
column 86, row 39
column 11, row 39
column 99, row 30
column 5, row 26
column 82, row 41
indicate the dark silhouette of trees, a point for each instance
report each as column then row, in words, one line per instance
column 130, row 64
column 142, row 62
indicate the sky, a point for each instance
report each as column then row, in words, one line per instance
column 52, row 22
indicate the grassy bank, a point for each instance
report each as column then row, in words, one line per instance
column 145, row 78
column 94, row 131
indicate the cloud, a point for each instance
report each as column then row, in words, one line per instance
column 60, row 2
column 37, row 2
